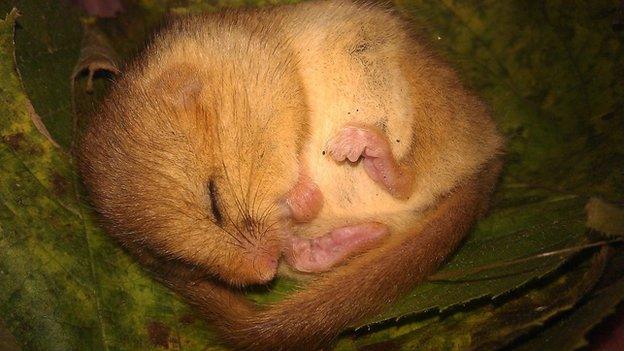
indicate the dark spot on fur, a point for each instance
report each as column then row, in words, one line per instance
column 382, row 124
column 158, row 334
column 359, row 48
column 323, row 152
column 398, row 141
column 14, row 141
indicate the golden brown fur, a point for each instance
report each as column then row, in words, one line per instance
column 177, row 120
column 312, row 317
column 238, row 103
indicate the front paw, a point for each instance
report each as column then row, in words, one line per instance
column 353, row 142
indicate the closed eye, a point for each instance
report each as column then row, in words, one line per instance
column 214, row 202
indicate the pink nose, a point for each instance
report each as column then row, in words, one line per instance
column 265, row 267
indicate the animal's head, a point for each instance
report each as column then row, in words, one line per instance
column 192, row 163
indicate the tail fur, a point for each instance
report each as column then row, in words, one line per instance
column 314, row 316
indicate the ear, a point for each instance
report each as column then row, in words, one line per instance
column 181, row 85
column 186, row 96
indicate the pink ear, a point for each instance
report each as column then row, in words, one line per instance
column 180, row 86
column 100, row 8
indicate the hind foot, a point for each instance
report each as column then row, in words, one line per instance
column 321, row 254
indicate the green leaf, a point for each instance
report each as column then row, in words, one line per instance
column 7, row 341
column 506, row 235
column 551, row 70
column 492, row 325
column 32, row 170
column 47, row 44
column 63, row 284
column 568, row 332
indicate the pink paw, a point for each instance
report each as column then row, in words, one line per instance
column 354, row 142
column 321, row 254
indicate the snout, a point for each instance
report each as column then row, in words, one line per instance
column 259, row 265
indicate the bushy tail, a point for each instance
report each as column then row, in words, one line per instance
column 309, row 318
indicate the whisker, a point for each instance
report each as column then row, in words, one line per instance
column 267, row 212
column 258, row 192
column 271, row 225
column 228, row 179
column 238, row 230
column 238, row 204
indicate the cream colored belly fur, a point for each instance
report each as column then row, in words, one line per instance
column 353, row 78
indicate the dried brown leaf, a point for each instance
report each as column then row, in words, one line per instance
column 96, row 54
